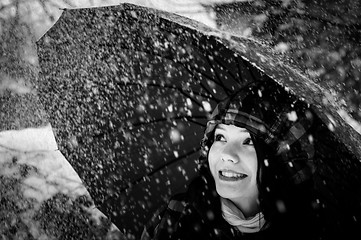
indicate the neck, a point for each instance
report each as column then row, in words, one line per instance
column 248, row 206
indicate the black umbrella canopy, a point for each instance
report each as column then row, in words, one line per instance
column 129, row 90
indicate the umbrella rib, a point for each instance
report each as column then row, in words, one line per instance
column 182, row 64
column 168, row 86
column 218, row 78
column 194, row 121
column 193, row 98
column 253, row 76
column 149, row 174
column 191, row 119
column 209, row 92
column 181, row 90
column 206, row 89
column 227, row 70
column 218, row 82
column 205, row 75
column 188, row 95
column 239, row 70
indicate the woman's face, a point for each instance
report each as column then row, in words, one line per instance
column 233, row 163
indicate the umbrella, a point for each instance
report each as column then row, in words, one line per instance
column 129, row 89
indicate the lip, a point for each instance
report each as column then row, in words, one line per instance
column 231, row 176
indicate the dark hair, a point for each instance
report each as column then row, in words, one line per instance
column 284, row 175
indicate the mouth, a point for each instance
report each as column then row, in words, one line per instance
column 228, row 175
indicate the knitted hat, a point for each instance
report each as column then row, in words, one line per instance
column 274, row 117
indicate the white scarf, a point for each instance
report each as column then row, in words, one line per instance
column 235, row 217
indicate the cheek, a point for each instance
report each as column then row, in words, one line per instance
column 253, row 163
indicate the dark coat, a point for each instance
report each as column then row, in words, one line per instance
column 196, row 214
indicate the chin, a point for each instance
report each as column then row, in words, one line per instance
column 225, row 192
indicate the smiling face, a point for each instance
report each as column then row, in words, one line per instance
column 233, row 163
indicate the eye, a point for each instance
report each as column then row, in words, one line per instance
column 248, row 141
column 219, row 137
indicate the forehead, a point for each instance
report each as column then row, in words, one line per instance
column 231, row 128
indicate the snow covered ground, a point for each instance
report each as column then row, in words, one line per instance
column 40, row 188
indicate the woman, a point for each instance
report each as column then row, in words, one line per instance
column 255, row 176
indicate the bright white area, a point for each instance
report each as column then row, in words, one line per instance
column 29, row 139
column 199, row 10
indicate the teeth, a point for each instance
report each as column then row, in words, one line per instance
column 232, row 174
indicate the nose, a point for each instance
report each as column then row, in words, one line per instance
column 230, row 152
